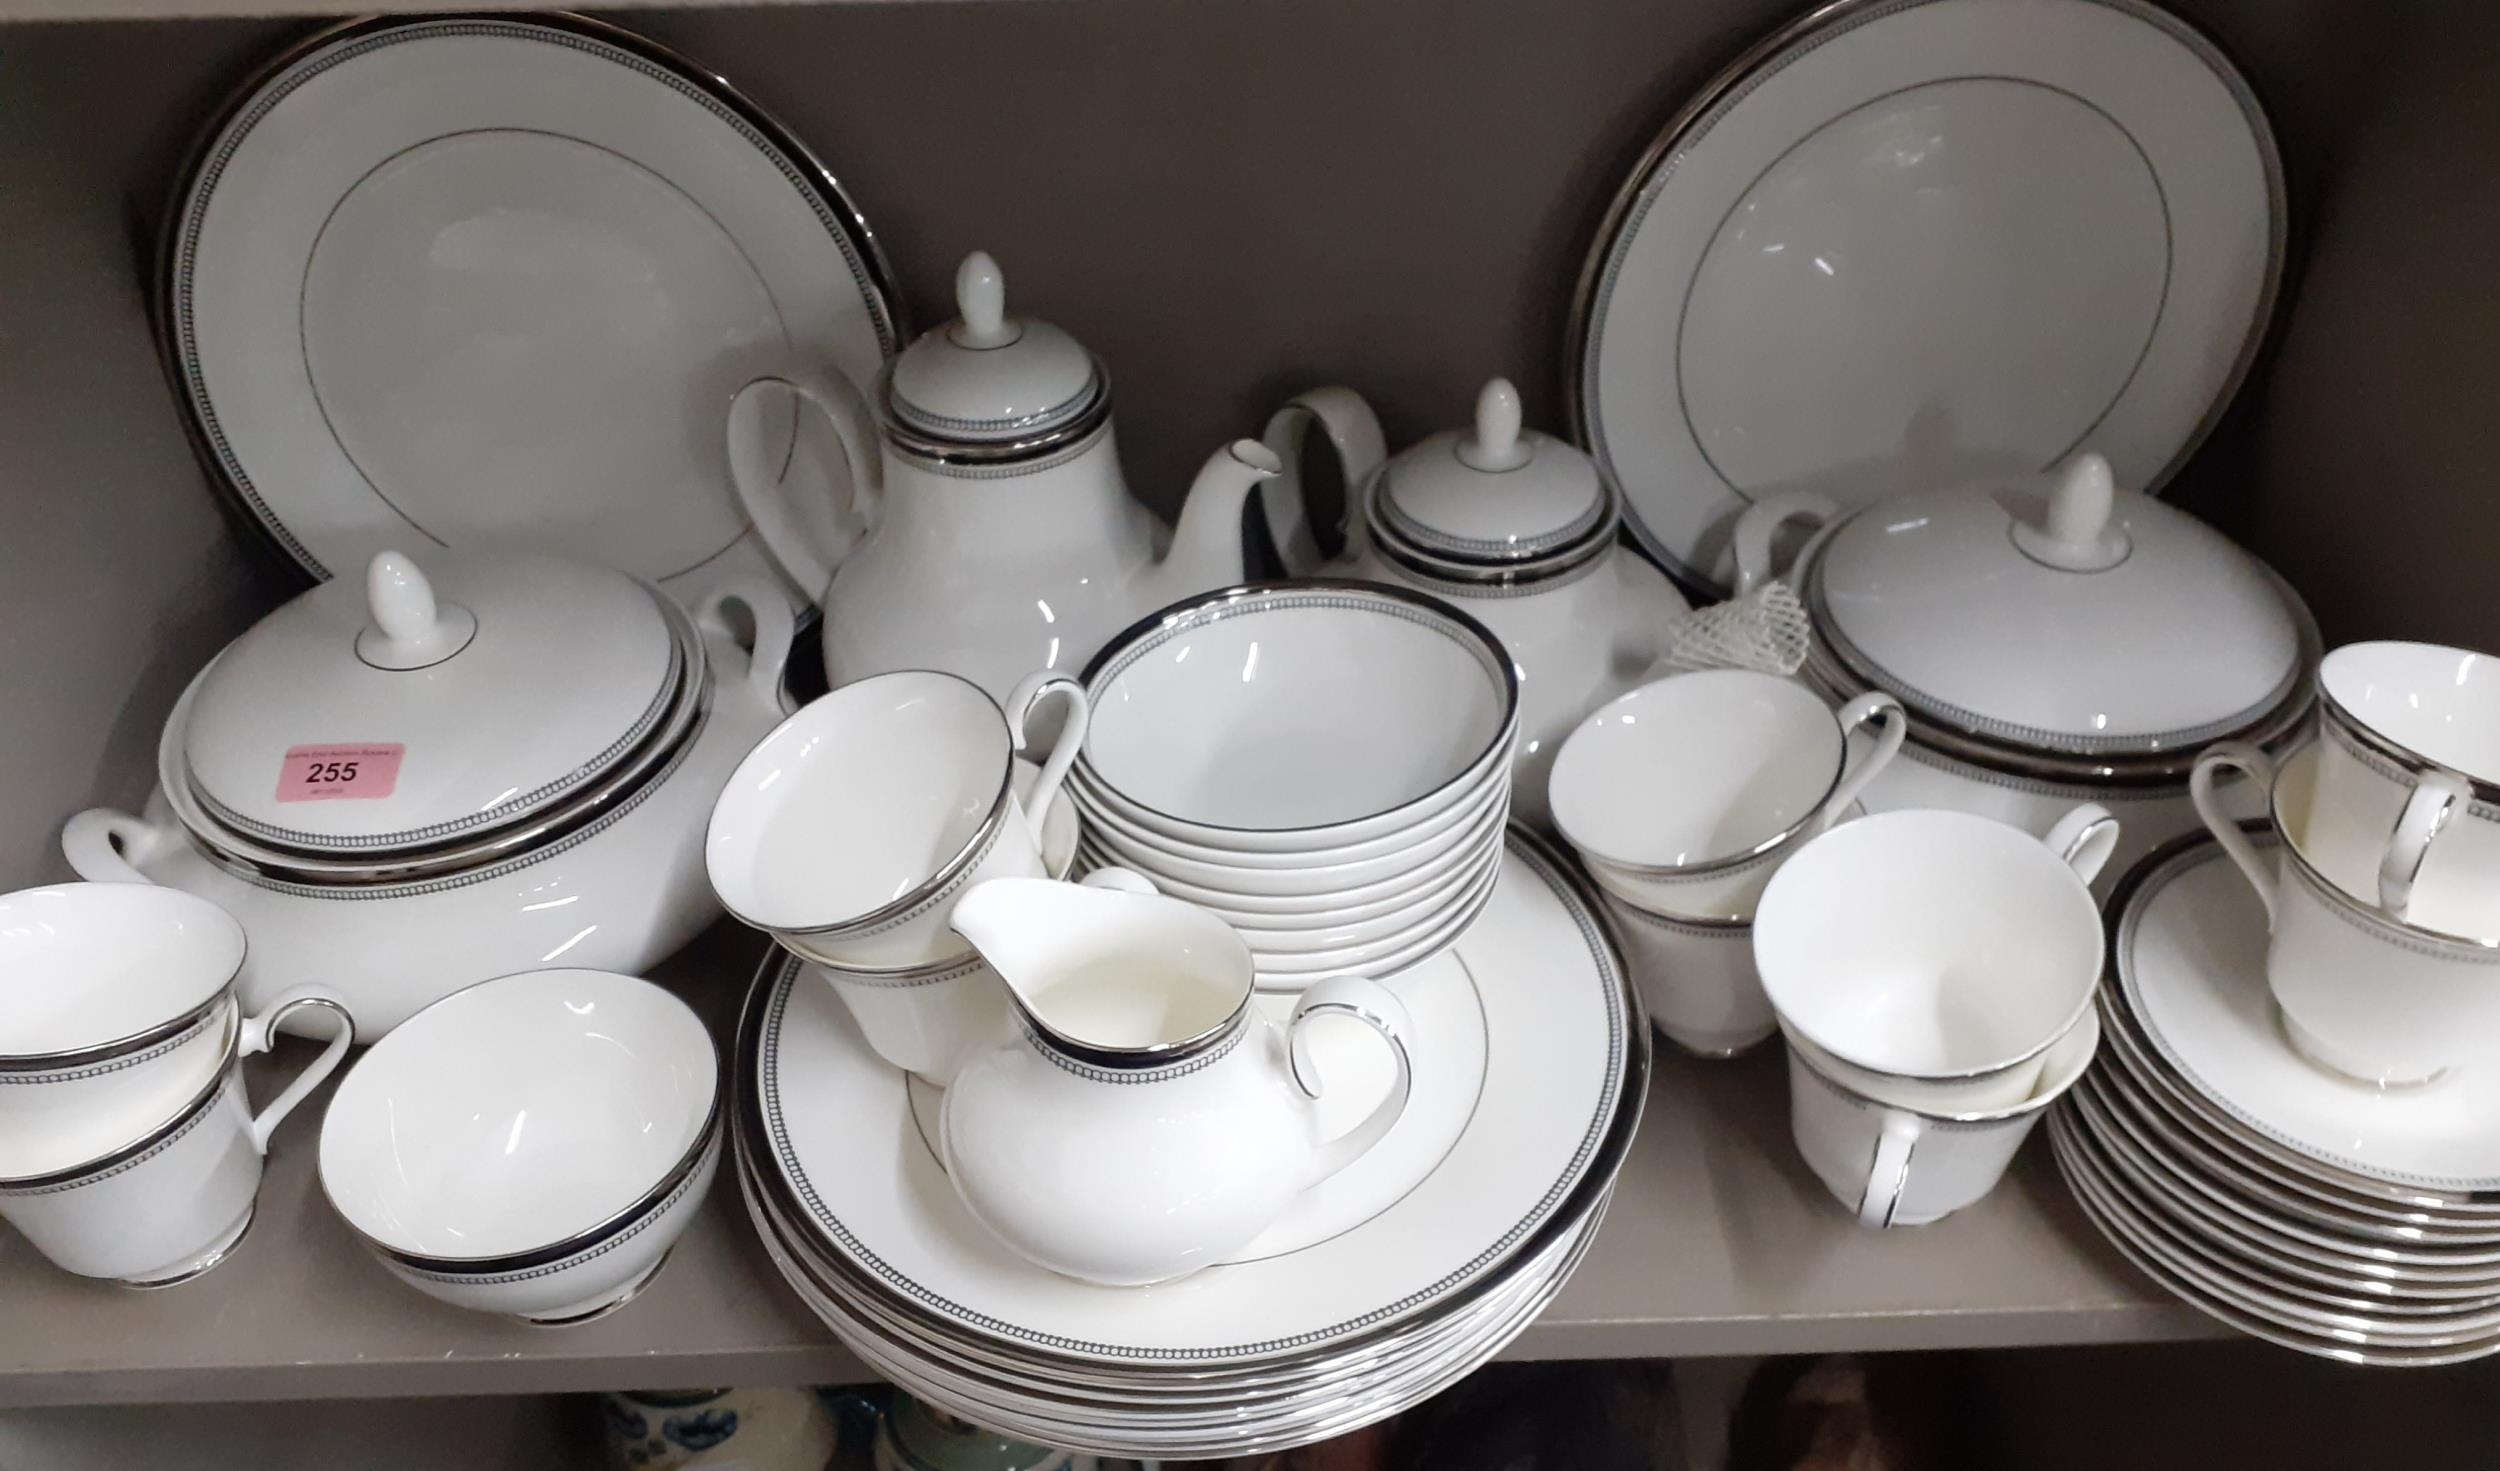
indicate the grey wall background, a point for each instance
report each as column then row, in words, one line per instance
column 1231, row 199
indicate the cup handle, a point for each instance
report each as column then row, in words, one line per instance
column 1888, row 1174
column 1377, row 1007
column 260, row 1031
column 1760, row 525
column 2084, row 839
column 1120, row 880
column 769, row 653
column 807, row 554
column 2258, row 767
column 2435, row 800
column 1029, row 692
column 1354, row 431
column 106, row 845
column 1873, row 705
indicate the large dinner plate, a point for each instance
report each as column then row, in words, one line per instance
column 1398, row 1233
column 490, row 282
column 2190, row 950
column 1905, row 244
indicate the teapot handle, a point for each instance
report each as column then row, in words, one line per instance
column 1760, row 525
column 1354, row 431
column 806, row 543
column 1377, row 1007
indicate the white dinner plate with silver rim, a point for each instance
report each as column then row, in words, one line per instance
column 2190, row 956
column 2248, row 1288
column 1904, row 244
column 490, row 282
column 838, row 1124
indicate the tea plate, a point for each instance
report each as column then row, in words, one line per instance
column 1849, row 265
column 489, row 282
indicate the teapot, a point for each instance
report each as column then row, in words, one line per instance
column 1146, row 1120
column 999, row 535
column 1515, row 527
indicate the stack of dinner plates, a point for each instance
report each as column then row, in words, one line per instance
column 1379, row 1287
column 1325, row 766
column 2337, row 1217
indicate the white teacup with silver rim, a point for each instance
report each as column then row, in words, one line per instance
column 2406, row 812
column 1897, row 1164
column 1696, row 979
column 850, row 831
column 173, row 1199
column 116, row 1009
column 1684, row 796
column 2360, row 993
column 1937, row 956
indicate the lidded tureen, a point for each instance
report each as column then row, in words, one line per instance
column 453, row 771
column 1516, row 527
column 2052, row 639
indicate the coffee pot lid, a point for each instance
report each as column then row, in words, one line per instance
column 989, row 381
column 1492, row 497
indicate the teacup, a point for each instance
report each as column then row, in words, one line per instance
column 1696, row 979
column 1897, row 1164
column 172, row 1200
column 1936, row 957
column 116, row 1009
column 1685, row 795
column 2361, row 993
column 850, row 831
column 2406, row 811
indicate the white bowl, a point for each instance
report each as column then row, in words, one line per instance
column 1313, row 906
column 1313, row 879
column 1398, row 926
column 1346, row 706
column 532, row 1145
column 1412, row 900
column 1379, row 959
column 1466, row 804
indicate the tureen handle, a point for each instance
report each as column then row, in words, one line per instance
column 107, row 846
column 2253, row 762
column 1353, row 430
column 1377, row 1007
column 807, row 532
column 768, row 648
column 1759, row 527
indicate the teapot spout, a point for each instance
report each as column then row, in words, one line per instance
column 1206, row 547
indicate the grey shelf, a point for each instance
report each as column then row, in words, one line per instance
column 1718, row 1242
column 68, row 10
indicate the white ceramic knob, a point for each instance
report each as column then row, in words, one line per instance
column 410, row 629
column 1496, row 445
column 2077, row 535
column 981, row 301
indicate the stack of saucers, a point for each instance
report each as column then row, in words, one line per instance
column 2343, row 1218
column 1325, row 765
column 1379, row 1286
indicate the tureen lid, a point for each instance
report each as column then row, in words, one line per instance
column 2063, row 615
column 1492, row 497
column 991, row 382
column 418, row 709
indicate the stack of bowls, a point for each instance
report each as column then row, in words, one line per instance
column 1324, row 765
column 533, row 1145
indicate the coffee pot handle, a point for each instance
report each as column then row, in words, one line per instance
column 2257, row 766
column 259, row 1032
column 805, row 540
column 1377, row 1007
column 1353, row 430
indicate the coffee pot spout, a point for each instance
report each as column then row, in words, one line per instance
column 1206, row 547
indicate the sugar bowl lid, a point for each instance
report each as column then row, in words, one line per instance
column 422, row 707
column 1492, row 498
column 2061, row 615
column 991, row 384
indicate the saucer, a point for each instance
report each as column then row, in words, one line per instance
column 2190, row 952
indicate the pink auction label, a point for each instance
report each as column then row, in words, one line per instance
column 334, row 773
